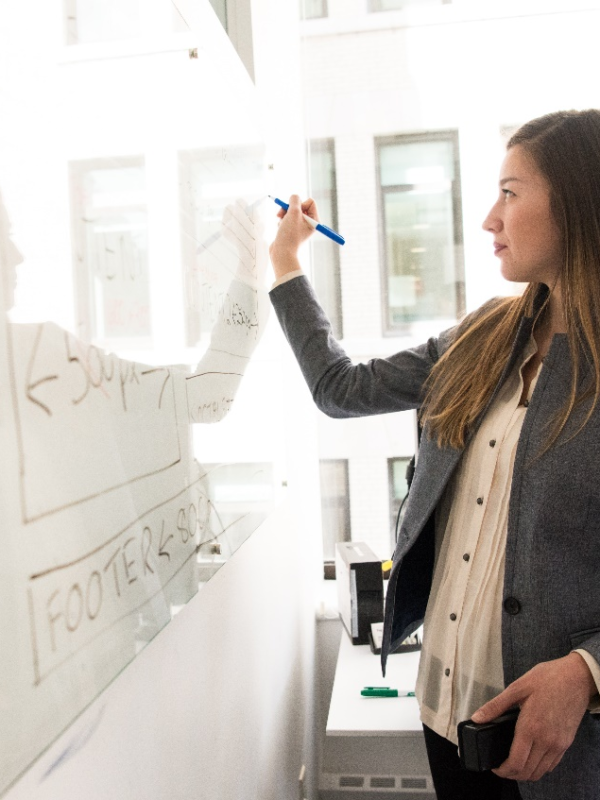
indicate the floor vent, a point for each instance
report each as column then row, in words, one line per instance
column 414, row 783
column 336, row 786
column 383, row 783
column 351, row 781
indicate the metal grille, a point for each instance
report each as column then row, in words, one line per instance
column 383, row 783
column 414, row 783
column 355, row 781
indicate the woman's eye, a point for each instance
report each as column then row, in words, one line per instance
column 508, row 193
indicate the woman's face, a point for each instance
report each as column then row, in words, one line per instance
column 526, row 237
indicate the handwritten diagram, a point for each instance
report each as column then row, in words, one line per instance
column 110, row 520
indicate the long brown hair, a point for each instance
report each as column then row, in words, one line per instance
column 565, row 147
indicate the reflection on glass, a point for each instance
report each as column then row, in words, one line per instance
column 421, row 218
column 110, row 236
column 101, row 20
column 325, row 253
column 211, row 181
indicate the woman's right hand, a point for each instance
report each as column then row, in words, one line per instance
column 293, row 231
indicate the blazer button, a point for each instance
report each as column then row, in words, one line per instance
column 512, row 606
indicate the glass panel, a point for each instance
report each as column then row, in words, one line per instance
column 335, row 505
column 311, row 9
column 242, row 495
column 419, row 221
column 101, row 20
column 421, row 162
column 109, row 521
column 325, row 253
column 110, row 233
column 214, row 183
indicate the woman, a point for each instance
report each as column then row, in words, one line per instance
column 499, row 550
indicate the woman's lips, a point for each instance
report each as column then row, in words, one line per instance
column 498, row 248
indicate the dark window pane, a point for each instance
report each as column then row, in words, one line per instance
column 335, row 505
column 398, row 487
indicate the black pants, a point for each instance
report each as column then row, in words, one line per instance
column 452, row 782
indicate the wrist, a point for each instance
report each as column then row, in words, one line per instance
column 283, row 262
column 580, row 664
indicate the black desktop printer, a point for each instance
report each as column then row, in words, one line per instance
column 360, row 589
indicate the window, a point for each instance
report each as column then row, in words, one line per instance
column 101, row 20
column 335, row 509
column 422, row 229
column 392, row 5
column 110, row 250
column 398, row 489
column 312, row 9
column 325, row 253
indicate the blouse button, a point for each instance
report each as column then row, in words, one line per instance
column 466, row 557
column 452, row 617
column 526, row 403
column 492, row 443
column 480, row 501
column 446, row 672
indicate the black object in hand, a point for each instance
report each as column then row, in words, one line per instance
column 486, row 745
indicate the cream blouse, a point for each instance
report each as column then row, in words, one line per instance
column 461, row 660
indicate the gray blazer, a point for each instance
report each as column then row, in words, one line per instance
column 552, row 578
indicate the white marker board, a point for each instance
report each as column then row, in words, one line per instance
column 138, row 320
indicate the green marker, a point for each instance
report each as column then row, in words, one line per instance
column 384, row 691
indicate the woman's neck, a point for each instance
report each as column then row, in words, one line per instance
column 551, row 321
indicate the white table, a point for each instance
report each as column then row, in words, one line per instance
column 374, row 744
column 350, row 714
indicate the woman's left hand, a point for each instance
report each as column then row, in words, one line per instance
column 553, row 697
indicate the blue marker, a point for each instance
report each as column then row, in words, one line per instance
column 313, row 223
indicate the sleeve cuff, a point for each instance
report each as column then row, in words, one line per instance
column 289, row 276
column 594, row 667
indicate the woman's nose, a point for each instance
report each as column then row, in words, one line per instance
column 493, row 222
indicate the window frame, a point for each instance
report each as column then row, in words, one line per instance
column 336, row 316
column 451, row 135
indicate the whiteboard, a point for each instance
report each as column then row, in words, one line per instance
column 136, row 366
